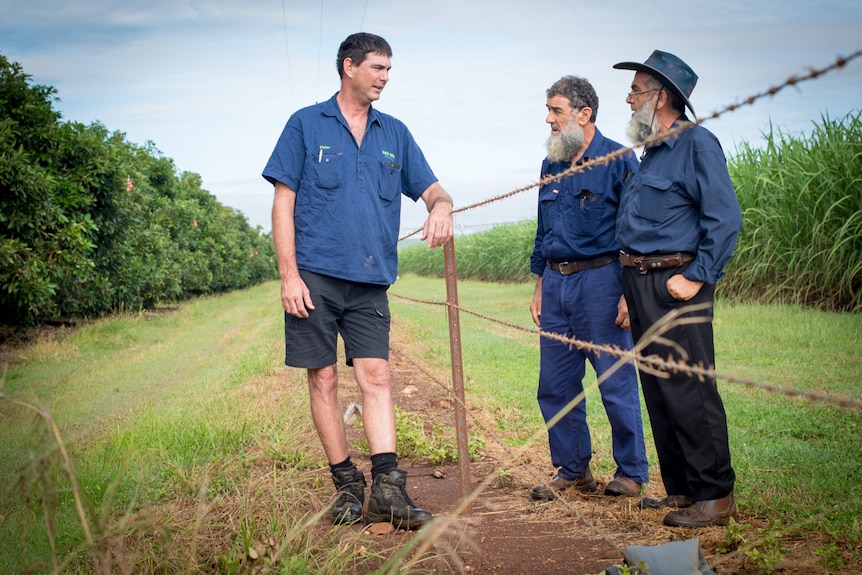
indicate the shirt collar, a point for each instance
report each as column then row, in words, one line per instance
column 594, row 150
column 330, row 108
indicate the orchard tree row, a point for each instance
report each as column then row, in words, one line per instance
column 92, row 224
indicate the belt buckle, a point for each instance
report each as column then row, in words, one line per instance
column 638, row 262
column 565, row 268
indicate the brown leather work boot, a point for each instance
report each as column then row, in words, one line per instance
column 550, row 491
column 673, row 501
column 624, row 486
column 703, row 513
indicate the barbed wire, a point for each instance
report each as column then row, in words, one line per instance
column 654, row 363
column 840, row 62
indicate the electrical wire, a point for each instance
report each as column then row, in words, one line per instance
column 319, row 54
column 287, row 52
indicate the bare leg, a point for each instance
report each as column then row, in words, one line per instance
column 378, row 415
column 326, row 412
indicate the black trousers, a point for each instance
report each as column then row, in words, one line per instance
column 686, row 414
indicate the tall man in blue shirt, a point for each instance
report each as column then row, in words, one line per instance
column 339, row 169
column 677, row 226
column 579, row 284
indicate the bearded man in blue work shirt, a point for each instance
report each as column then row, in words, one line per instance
column 677, row 226
column 579, row 284
column 339, row 170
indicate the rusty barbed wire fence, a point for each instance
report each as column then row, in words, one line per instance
column 654, row 362
column 651, row 363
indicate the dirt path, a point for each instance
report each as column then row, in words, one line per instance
column 507, row 532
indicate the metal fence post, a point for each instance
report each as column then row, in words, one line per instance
column 457, row 371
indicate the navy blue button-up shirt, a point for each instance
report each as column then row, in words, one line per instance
column 348, row 198
column 577, row 215
column 681, row 199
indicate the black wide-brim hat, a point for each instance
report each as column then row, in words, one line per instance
column 675, row 74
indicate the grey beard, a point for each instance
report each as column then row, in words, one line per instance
column 642, row 125
column 563, row 148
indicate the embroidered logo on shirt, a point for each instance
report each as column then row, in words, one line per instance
column 389, row 155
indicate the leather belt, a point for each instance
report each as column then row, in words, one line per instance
column 567, row 268
column 645, row 264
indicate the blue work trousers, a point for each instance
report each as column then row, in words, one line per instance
column 583, row 305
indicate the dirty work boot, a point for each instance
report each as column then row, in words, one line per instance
column 703, row 513
column 389, row 502
column 550, row 491
column 672, row 501
column 624, row 486
column 350, row 486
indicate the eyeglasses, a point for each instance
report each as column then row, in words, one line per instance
column 634, row 94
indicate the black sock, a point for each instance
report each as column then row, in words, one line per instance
column 383, row 463
column 345, row 465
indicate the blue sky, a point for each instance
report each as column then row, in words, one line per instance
column 211, row 84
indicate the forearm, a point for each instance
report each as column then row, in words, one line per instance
column 436, row 198
column 284, row 231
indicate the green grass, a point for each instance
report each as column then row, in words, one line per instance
column 502, row 364
column 153, row 408
column 167, row 413
column 801, row 196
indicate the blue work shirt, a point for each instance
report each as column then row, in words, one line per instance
column 348, row 198
column 681, row 199
column 577, row 215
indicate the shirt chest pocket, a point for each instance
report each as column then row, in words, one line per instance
column 582, row 211
column 329, row 170
column 654, row 193
column 389, row 174
column 548, row 206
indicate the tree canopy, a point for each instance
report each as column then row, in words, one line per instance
column 91, row 223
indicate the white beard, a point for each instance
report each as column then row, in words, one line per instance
column 643, row 124
column 563, row 147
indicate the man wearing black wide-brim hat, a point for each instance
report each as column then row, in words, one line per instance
column 677, row 226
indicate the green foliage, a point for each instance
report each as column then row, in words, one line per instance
column 734, row 537
column 91, row 224
column 438, row 445
column 768, row 552
column 501, row 254
column 801, row 197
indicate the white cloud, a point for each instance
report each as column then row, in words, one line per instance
column 212, row 83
